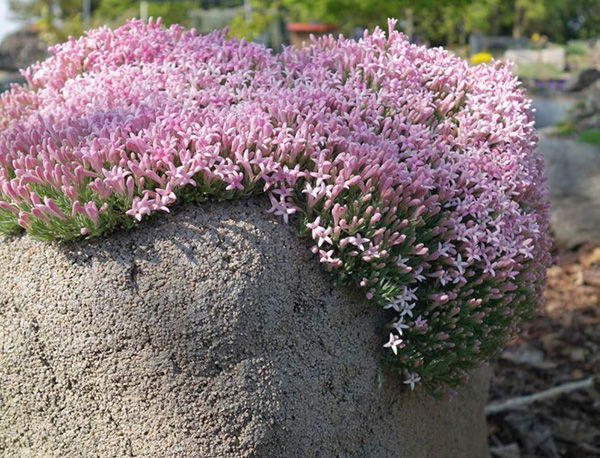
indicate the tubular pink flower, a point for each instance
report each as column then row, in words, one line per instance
column 415, row 175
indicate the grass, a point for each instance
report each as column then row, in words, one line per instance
column 568, row 129
column 564, row 129
column 591, row 136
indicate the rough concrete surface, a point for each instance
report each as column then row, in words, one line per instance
column 209, row 332
column 573, row 171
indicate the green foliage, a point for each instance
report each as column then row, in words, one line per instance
column 577, row 48
column 568, row 129
column 53, row 27
column 263, row 14
column 440, row 23
column 347, row 14
column 560, row 20
column 448, row 21
column 591, row 136
column 579, row 55
column 59, row 19
column 50, row 33
column 564, row 129
column 115, row 12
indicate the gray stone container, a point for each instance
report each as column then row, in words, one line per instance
column 212, row 331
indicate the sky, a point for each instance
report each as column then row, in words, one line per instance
column 7, row 23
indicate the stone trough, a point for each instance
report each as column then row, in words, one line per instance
column 212, row 331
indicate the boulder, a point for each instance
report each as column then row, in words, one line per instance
column 586, row 114
column 212, row 331
column 582, row 80
column 573, row 171
column 20, row 49
column 9, row 78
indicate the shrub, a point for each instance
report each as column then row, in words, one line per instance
column 414, row 174
column 577, row 48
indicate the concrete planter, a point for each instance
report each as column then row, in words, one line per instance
column 209, row 332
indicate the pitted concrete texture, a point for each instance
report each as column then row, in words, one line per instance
column 209, row 332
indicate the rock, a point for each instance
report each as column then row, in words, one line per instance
column 577, row 354
column 573, row 171
column 528, row 355
column 582, row 80
column 8, row 78
column 535, row 437
column 552, row 109
column 586, row 114
column 506, row 451
column 575, row 431
column 209, row 332
column 523, row 354
column 21, row 49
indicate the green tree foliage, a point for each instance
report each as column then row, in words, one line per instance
column 560, row 20
column 56, row 19
column 450, row 23
column 440, row 22
column 59, row 19
column 447, row 22
column 115, row 12
column 347, row 14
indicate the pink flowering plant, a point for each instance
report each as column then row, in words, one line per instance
column 413, row 174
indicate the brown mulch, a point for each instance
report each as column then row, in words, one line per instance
column 561, row 344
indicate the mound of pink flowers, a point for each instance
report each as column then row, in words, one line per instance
column 414, row 174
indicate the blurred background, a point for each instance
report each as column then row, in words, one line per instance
column 555, row 47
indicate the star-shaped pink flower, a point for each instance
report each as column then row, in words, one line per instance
column 394, row 343
column 412, row 380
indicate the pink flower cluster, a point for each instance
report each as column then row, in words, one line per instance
column 414, row 174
